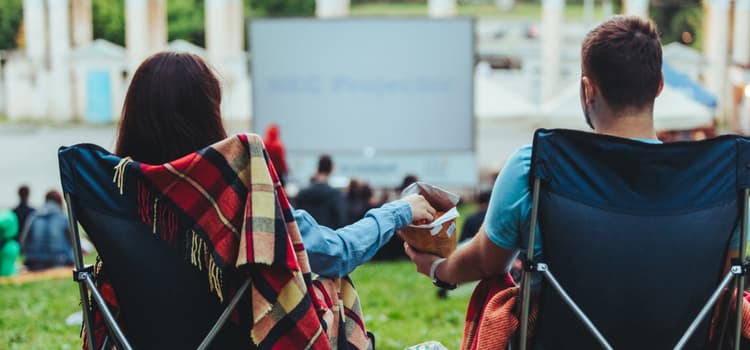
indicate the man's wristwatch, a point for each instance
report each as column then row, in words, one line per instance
column 436, row 281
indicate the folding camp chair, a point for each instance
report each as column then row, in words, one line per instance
column 635, row 238
column 171, row 308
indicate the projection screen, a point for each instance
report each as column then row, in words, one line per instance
column 383, row 96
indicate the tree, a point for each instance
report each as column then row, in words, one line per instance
column 283, row 8
column 109, row 20
column 186, row 20
column 11, row 16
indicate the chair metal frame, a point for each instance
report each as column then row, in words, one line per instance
column 84, row 276
column 736, row 273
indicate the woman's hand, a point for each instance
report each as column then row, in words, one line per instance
column 421, row 210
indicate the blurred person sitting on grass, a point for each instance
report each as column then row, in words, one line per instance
column 23, row 210
column 9, row 248
column 172, row 108
column 46, row 239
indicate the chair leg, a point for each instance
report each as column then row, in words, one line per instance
column 75, row 238
column 224, row 315
column 372, row 339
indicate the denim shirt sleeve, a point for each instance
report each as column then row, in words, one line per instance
column 336, row 253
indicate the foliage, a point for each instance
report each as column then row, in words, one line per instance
column 675, row 19
column 186, row 20
column 283, row 8
column 11, row 16
column 108, row 19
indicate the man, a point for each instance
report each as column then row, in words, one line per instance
column 621, row 77
column 23, row 210
column 323, row 202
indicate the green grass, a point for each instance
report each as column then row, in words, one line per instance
column 400, row 306
column 525, row 10
column 33, row 315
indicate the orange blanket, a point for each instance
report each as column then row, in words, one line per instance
column 491, row 319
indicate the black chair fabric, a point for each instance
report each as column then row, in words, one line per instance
column 636, row 233
column 165, row 302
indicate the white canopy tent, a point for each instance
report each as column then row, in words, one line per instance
column 673, row 110
column 493, row 100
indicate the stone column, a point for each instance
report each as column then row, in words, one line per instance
column 60, row 88
column 441, row 8
column 224, row 29
column 636, row 8
column 741, row 43
column 552, row 21
column 157, row 25
column 35, row 31
column 607, row 10
column 145, row 29
column 225, row 49
column 716, row 49
column 331, row 8
column 83, row 28
column 588, row 11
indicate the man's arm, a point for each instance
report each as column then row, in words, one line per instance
column 477, row 259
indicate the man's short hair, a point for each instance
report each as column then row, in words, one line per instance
column 623, row 57
column 325, row 164
column 54, row 196
column 23, row 193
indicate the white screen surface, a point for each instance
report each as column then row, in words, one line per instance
column 390, row 85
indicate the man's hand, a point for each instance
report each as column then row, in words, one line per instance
column 421, row 210
column 422, row 260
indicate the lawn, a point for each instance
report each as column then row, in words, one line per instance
column 400, row 306
column 32, row 315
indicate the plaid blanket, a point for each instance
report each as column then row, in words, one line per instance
column 224, row 206
column 491, row 319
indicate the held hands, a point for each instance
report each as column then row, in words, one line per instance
column 421, row 210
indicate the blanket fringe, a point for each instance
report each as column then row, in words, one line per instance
column 119, row 176
column 201, row 258
column 163, row 221
column 159, row 217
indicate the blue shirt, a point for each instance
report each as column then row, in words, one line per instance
column 507, row 221
column 336, row 253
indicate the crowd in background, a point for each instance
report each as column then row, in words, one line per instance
column 41, row 235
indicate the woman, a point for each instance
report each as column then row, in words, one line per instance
column 172, row 108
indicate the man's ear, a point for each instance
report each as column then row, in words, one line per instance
column 587, row 89
column 661, row 85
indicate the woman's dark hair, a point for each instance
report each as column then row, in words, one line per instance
column 172, row 108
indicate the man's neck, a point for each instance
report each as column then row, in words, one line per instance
column 320, row 177
column 632, row 124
